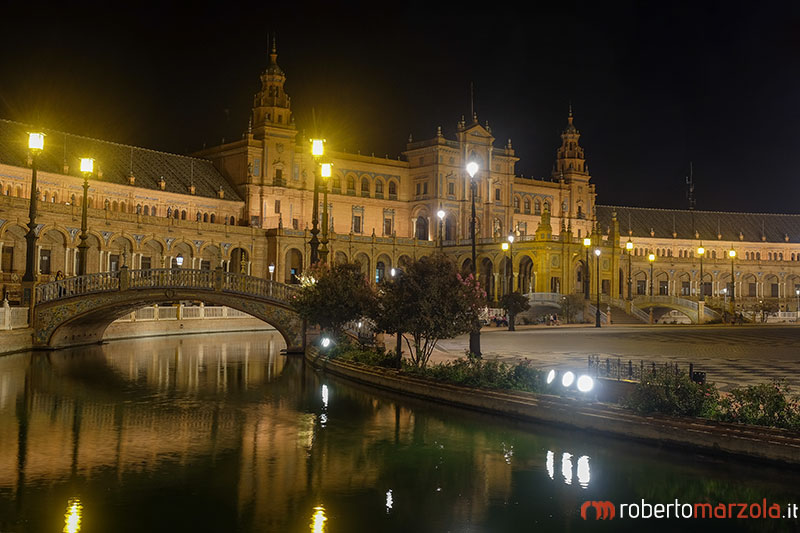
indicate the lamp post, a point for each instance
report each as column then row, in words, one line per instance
column 629, row 249
column 797, row 310
column 651, row 258
column 732, row 255
column 317, row 149
column 511, row 261
column 441, row 214
column 597, row 283
column 700, row 252
column 475, row 334
column 87, row 168
column 179, row 260
column 35, row 145
column 587, row 242
column 325, row 172
column 271, row 269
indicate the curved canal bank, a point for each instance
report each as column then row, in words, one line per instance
column 752, row 442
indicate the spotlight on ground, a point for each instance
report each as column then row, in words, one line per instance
column 325, row 342
column 567, row 379
column 585, row 383
column 551, row 376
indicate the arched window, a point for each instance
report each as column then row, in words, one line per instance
column 380, row 271
column 351, row 184
column 176, row 214
column 147, row 210
column 378, row 186
column 199, row 216
column 421, row 227
column 212, row 218
column 580, row 211
column 392, row 188
column 205, row 217
column 183, row 215
column 758, row 256
column 516, row 204
column 364, row 187
column 337, row 182
column 527, row 205
column 233, row 220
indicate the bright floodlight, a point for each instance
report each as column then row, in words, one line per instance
column 701, row 251
column 504, row 246
column 732, row 253
column 551, row 376
column 317, row 148
column 651, row 257
column 325, row 342
column 87, row 165
column 393, row 272
column 587, row 241
column 325, row 172
column 797, row 292
column 36, row 141
column 179, row 260
column 597, row 252
column 585, row 383
column 511, row 238
column 472, row 169
column 567, row 379
column 629, row 246
column 440, row 213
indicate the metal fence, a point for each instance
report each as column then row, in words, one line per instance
column 628, row 369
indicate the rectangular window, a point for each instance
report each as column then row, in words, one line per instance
column 641, row 286
column 295, row 223
column 7, row 263
column 257, row 167
column 425, row 188
column 605, row 286
column 387, row 226
column 663, row 288
column 145, row 263
column 113, row 262
column 418, row 188
column 278, row 176
column 774, row 290
column 44, row 261
column 751, row 289
column 356, row 223
column 277, row 206
column 497, row 194
column 451, row 189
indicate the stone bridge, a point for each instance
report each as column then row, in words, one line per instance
column 690, row 308
column 78, row 310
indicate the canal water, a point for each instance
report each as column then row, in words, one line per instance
column 223, row 433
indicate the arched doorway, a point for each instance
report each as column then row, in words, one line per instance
column 382, row 267
column 421, row 229
column 294, row 265
column 363, row 262
column 240, row 261
column 526, row 284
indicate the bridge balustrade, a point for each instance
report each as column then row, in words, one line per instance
column 88, row 284
column 171, row 278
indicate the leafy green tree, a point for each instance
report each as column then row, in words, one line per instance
column 514, row 303
column 570, row 304
column 428, row 302
column 332, row 296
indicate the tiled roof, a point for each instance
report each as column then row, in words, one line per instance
column 115, row 161
column 709, row 224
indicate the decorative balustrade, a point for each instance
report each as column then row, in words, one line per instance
column 13, row 317
column 545, row 297
column 165, row 278
column 183, row 312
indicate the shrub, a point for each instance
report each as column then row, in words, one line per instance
column 761, row 405
column 673, row 393
column 473, row 372
column 357, row 354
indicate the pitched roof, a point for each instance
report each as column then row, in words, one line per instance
column 709, row 224
column 115, row 161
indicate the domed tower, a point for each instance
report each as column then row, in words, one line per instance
column 271, row 105
column 570, row 160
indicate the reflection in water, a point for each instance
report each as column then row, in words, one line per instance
column 226, row 422
column 318, row 520
column 72, row 519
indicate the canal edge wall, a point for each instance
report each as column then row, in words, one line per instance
column 754, row 442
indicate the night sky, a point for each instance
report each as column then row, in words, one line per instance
column 653, row 85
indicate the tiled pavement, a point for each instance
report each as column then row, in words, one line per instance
column 730, row 355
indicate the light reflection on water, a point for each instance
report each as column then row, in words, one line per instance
column 226, row 423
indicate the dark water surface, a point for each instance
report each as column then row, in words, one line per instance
column 223, row 433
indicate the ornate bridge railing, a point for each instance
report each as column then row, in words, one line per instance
column 165, row 278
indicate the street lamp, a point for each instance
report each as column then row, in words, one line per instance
column 179, row 260
column 441, row 214
column 597, row 283
column 700, row 252
column 271, row 269
column 317, row 149
column 651, row 258
column 732, row 255
column 475, row 333
column 629, row 250
column 511, row 260
column 87, row 168
column 35, row 145
column 325, row 172
column 587, row 242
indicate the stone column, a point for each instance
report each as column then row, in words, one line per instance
column 1, row 257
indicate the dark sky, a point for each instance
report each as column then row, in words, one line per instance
column 654, row 85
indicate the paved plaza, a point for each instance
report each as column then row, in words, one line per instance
column 731, row 355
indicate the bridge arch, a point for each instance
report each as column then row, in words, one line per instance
column 78, row 310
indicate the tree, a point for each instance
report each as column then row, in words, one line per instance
column 570, row 304
column 429, row 301
column 333, row 296
column 514, row 303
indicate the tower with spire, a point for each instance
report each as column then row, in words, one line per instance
column 570, row 159
column 271, row 105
